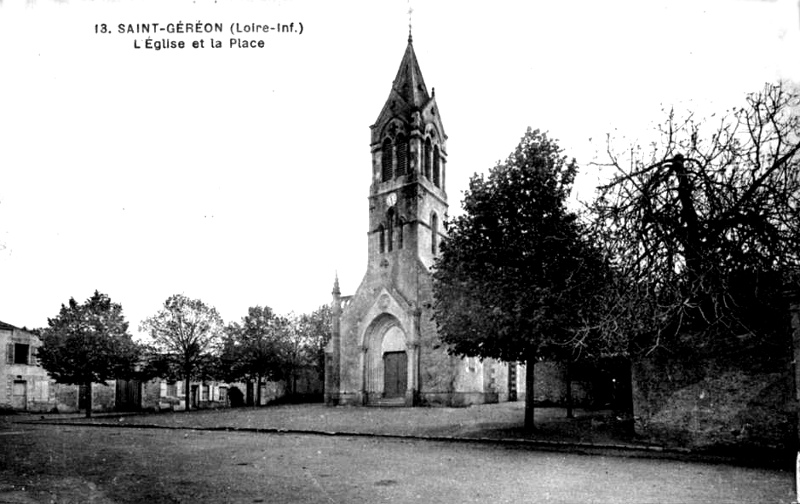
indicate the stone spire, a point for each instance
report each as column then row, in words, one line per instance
column 332, row 368
column 408, row 83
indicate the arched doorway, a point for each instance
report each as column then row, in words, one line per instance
column 395, row 363
column 386, row 361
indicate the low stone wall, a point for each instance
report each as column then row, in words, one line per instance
column 66, row 398
column 699, row 406
column 549, row 383
column 592, row 383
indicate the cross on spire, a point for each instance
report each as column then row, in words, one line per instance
column 410, row 11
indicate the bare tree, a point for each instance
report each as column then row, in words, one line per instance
column 705, row 228
column 186, row 331
column 253, row 347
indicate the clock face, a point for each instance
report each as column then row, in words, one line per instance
column 391, row 199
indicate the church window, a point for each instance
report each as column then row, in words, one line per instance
column 434, row 232
column 402, row 156
column 390, row 227
column 400, row 224
column 442, row 169
column 436, row 166
column 386, row 160
column 428, row 154
column 381, row 239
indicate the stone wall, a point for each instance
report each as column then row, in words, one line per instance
column 308, row 383
column 67, row 398
column 702, row 404
column 593, row 384
column 154, row 396
column 549, row 383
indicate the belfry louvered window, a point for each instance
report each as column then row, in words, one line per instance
column 390, row 228
column 381, row 239
column 386, row 160
column 436, row 166
column 401, row 152
column 428, row 155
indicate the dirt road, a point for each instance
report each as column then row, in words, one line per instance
column 46, row 463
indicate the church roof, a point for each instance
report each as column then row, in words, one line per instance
column 409, row 93
column 408, row 83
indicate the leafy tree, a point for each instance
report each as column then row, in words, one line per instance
column 233, row 365
column 186, row 332
column 516, row 268
column 88, row 343
column 704, row 229
column 265, row 345
column 301, row 338
column 316, row 328
column 158, row 365
column 252, row 348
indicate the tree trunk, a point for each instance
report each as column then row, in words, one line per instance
column 569, row 390
column 187, row 392
column 258, row 390
column 88, row 399
column 529, row 363
column 691, row 238
column 624, row 400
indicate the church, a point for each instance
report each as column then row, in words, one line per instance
column 384, row 348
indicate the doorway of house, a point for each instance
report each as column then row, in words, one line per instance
column 19, row 395
column 129, row 395
column 395, row 371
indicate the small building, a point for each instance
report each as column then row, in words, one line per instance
column 26, row 386
column 160, row 394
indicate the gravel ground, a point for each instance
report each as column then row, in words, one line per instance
column 502, row 421
column 43, row 463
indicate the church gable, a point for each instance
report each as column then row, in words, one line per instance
column 388, row 303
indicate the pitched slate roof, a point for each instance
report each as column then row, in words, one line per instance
column 7, row 327
column 408, row 83
column 408, row 95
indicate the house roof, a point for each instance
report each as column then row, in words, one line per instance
column 7, row 327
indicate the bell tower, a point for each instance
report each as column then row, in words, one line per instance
column 407, row 198
column 385, row 348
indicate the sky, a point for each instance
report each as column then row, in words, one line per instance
column 240, row 176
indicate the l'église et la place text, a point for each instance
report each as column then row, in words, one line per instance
column 242, row 34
